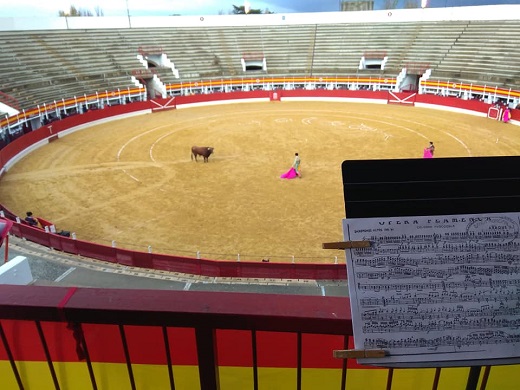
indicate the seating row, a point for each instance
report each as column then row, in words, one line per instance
column 40, row 66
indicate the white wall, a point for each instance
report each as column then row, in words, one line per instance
column 7, row 109
column 16, row 271
column 485, row 12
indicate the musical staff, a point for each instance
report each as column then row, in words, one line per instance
column 474, row 338
column 436, row 248
column 444, row 325
column 438, row 313
column 434, row 286
column 445, row 284
column 443, row 259
column 436, row 298
column 407, row 272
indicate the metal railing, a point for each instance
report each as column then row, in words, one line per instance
column 221, row 84
column 206, row 314
column 49, row 319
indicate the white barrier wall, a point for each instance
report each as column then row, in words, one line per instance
column 484, row 12
column 16, row 271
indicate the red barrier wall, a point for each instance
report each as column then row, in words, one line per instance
column 18, row 145
column 337, row 93
column 473, row 105
column 221, row 96
column 186, row 265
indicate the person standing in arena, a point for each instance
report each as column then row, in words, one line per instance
column 507, row 115
column 431, row 148
column 296, row 165
column 428, row 152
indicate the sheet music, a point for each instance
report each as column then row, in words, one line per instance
column 436, row 289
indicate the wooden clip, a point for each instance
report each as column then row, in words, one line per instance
column 345, row 244
column 359, row 353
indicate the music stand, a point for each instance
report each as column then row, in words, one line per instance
column 431, row 187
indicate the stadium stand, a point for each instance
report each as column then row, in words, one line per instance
column 174, row 338
column 43, row 66
column 486, row 51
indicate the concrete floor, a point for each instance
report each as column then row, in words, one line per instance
column 52, row 268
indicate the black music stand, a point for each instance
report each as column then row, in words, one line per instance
column 438, row 186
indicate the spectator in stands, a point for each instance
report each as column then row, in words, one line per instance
column 30, row 219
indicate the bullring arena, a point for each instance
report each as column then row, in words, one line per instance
column 132, row 181
column 108, row 110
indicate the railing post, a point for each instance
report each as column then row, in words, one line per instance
column 207, row 356
column 6, row 249
column 47, row 355
column 127, row 357
column 473, row 377
column 11, row 358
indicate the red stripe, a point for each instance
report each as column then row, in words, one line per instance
column 66, row 298
column 146, row 345
column 71, row 291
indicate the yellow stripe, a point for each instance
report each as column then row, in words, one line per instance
column 156, row 377
column 422, row 379
column 503, row 377
column 114, row 376
column 238, row 378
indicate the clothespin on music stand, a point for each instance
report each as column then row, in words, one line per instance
column 345, row 244
column 359, row 353
column 354, row 353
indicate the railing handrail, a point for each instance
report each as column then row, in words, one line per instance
column 202, row 313
column 219, row 310
column 454, row 86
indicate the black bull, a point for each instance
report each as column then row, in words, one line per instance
column 204, row 151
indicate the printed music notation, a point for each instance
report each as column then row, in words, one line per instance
column 472, row 339
column 436, row 289
column 442, row 313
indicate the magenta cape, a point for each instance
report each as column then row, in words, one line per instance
column 427, row 153
column 290, row 174
column 506, row 116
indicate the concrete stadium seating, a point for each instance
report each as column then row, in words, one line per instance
column 41, row 66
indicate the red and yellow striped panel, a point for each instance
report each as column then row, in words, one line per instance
column 276, row 358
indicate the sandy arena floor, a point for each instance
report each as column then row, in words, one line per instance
column 133, row 181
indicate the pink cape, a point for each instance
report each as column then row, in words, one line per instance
column 290, row 174
column 427, row 153
column 506, row 116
